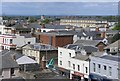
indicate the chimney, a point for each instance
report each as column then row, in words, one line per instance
column 14, row 57
column 43, row 64
column 38, row 30
column 97, row 28
column 73, row 28
column 103, row 34
column 43, row 25
column 13, row 31
column 32, row 31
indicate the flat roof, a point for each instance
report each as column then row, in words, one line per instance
column 111, row 57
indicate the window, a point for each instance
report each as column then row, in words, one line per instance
column 86, row 69
column 60, row 53
column 78, row 67
column 69, row 54
column 94, row 67
column 11, row 41
column 105, row 68
column 60, row 62
column 29, row 42
column 99, row 68
column 69, row 63
column 12, row 71
column 110, row 71
column 73, row 66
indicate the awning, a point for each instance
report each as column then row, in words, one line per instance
column 25, row 60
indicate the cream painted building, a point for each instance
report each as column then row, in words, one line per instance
column 84, row 22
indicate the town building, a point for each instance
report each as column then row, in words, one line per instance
column 100, row 44
column 9, row 67
column 113, row 48
column 104, row 68
column 39, row 51
column 13, row 30
column 84, row 23
column 55, row 38
column 73, row 60
column 13, row 41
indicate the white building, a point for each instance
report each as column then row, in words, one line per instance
column 13, row 41
column 105, row 67
column 73, row 61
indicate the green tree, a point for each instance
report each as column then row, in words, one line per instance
column 117, row 27
column 32, row 19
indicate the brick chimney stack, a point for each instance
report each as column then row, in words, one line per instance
column 43, row 64
column 43, row 25
column 103, row 34
column 97, row 28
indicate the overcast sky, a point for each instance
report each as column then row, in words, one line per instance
column 60, row 0
column 59, row 8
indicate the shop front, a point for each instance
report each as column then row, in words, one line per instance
column 76, row 76
column 64, row 72
column 95, row 77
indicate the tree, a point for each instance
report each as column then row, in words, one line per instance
column 32, row 19
column 117, row 27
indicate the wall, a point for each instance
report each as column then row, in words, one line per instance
column 107, row 63
column 56, row 40
column 82, row 64
column 6, row 73
column 63, row 40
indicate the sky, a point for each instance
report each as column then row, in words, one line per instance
column 21, row 7
column 60, row 0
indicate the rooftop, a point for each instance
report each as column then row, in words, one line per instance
column 111, row 57
column 81, row 57
column 115, row 44
column 55, row 33
column 7, row 60
column 88, row 42
column 39, row 46
column 79, row 47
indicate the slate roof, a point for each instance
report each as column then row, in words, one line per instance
column 111, row 57
column 81, row 57
column 90, row 49
column 88, row 33
column 8, row 62
column 49, row 26
column 78, row 47
column 112, row 31
column 87, row 42
column 39, row 46
column 26, row 35
column 115, row 44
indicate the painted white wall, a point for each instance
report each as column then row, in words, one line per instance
column 82, row 64
column 63, row 55
column 16, row 40
column 107, row 63
column 33, row 53
column 6, row 73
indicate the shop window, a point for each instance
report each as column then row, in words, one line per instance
column 73, row 66
column 78, row 67
column 60, row 62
